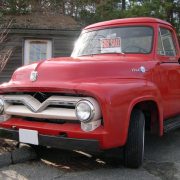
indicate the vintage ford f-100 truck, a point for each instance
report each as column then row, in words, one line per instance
column 122, row 79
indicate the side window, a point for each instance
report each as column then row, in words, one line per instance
column 166, row 46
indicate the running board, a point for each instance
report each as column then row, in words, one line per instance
column 171, row 124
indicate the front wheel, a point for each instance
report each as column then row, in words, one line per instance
column 134, row 148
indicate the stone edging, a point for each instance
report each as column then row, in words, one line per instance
column 22, row 154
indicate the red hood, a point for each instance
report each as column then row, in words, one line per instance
column 60, row 71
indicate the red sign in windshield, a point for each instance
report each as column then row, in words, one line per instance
column 110, row 44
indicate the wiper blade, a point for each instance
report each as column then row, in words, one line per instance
column 113, row 53
column 102, row 53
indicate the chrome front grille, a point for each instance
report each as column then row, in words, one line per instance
column 51, row 108
column 54, row 107
column 36, row 106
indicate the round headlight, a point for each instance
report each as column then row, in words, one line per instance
column 1, row 106
column 84, row 111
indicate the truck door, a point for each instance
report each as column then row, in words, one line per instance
column 169, row 71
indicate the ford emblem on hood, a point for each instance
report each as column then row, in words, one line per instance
column 33, row 76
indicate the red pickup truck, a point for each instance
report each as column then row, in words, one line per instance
column 122, row 79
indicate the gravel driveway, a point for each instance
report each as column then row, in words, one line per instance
column 162, row 161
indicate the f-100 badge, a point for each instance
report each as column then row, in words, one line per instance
column 141, row 69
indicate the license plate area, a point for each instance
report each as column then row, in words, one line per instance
column 28, row 136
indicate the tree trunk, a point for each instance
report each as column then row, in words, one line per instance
column 123, row 4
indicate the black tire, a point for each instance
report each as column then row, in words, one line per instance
column 134, row 148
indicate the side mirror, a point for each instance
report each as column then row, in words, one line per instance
column 179, row 60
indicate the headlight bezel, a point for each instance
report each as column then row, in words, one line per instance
column 1, row 106
column 92, row 110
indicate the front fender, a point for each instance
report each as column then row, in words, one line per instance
column 117, row 99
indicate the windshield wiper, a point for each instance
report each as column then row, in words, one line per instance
column 103, row 53
column 113, row 53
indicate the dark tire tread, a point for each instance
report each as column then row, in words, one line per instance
column 134, row 148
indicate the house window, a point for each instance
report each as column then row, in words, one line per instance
column 37, row 49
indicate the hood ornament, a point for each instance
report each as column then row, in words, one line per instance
column 33, row 76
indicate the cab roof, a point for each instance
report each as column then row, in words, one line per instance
column 127, row 21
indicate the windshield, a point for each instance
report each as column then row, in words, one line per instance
column 132, row 39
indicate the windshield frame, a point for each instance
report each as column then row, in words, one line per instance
column 114, row 27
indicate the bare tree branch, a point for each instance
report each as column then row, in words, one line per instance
column 5, row 53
